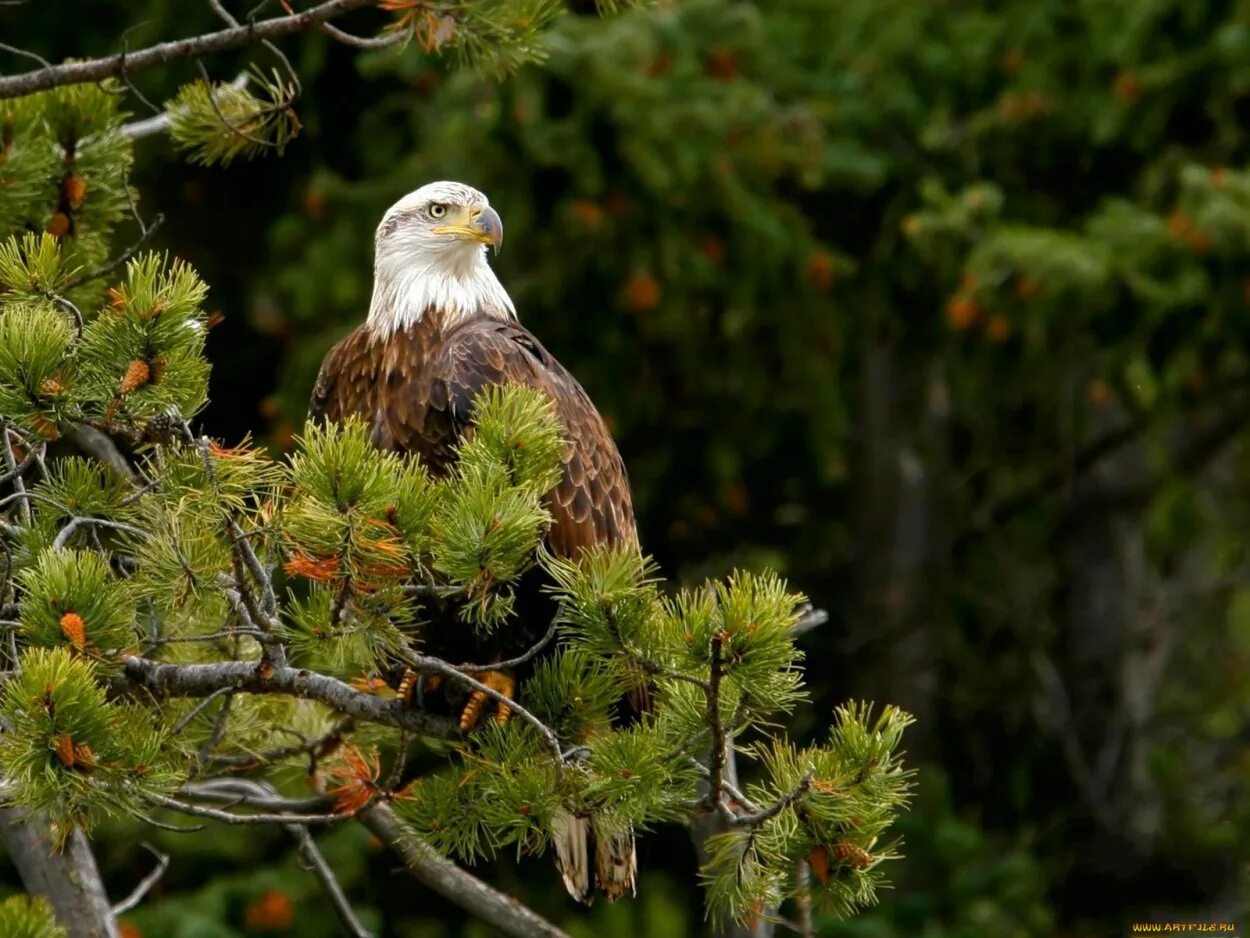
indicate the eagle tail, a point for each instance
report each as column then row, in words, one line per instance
column 571, row 833
column 581, row 841
column 616, row 861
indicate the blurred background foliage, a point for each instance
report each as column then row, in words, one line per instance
column 939, row 306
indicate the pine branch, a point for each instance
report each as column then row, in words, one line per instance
column 200, row 680
column 160, row 123
column 93, row 70
column 495, row 908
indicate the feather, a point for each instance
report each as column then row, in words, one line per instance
column 571, row 835
column 616, row 860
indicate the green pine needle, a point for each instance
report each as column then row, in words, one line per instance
column 25, row 916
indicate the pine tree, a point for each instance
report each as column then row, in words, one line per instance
column 178, row 609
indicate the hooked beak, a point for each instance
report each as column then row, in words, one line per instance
column 483, row 226
column 488, row 228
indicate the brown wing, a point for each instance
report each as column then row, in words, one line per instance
column 416, row 388
column 347, row 381
column 592, row 504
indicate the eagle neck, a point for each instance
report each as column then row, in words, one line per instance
column 451, row 290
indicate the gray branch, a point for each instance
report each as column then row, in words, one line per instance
column 67, row 878
column 496, row 909
column 113, row 66
column 201, row 680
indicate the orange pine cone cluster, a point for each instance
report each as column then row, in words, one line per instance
column 74, row 190
column 138, row 373
column 73, row 628
column 72, row 754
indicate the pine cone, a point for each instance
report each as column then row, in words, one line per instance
column 138, row 373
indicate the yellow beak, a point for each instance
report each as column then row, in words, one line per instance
column 483, row 226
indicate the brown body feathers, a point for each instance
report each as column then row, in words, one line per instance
column 415, row 388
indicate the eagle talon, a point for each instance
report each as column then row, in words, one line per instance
column 499, row 681
column 414, row 686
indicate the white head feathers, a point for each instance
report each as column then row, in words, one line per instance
column 431, row 255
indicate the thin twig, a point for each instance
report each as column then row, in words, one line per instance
column 520, row 659
column 366, row 42
column 19, row 485
column 151, row 126
column 229, row 817
column 145, row 233
column 329, row 882
column 759, row 817
column 145, row 884
column 63, row 536
column 26, row 54
column 199, row 708
column 314, row 748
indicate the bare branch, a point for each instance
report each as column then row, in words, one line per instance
column 92, row 70
column 145, row 884
column 95, row 443
column 520, row 659
column 229, row 817
column 63, row 536
column 329, row 882
column 313, row 748
column 145, row 233
column 759, row 817
column 366, row 42
column 496, row 909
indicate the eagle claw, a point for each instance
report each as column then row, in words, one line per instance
column 500, row 681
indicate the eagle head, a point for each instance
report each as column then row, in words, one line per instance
column 430, row 258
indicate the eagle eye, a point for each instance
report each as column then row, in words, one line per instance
column 437, row 210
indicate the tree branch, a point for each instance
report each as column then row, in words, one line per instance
column 68, row 878
column 307, row 848
column 145, row 885
column 494, row 908
column 201, row 680
column 91, row 70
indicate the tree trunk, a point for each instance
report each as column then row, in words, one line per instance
column 68, row 879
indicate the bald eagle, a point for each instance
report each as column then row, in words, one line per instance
column 441, row 328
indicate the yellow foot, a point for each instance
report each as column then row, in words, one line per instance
column 413, row 683
column 500, row 681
